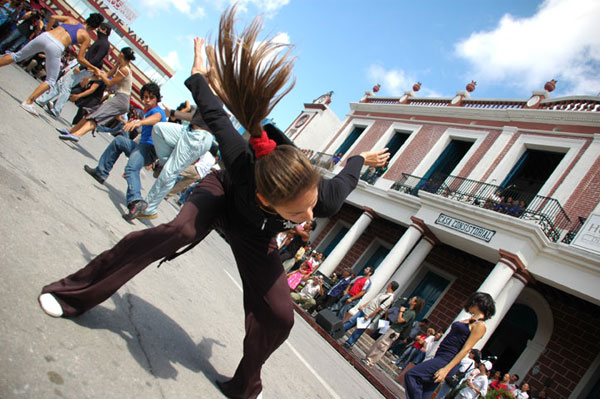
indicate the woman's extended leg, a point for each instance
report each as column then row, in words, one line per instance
column 104, row 275
column 267, row 304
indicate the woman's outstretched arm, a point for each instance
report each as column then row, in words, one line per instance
column 231, row 143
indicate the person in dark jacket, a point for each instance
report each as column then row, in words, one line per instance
column 61, row 92
column 267, row 187
column 87, row 95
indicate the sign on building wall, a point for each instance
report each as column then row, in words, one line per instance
column 588, row 237
column 465, row 227
column 123, row 10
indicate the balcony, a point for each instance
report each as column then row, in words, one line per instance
column 323, row 160
column 544, row 211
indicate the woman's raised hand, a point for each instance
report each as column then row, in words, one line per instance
column 376, row 158
column 199, row 62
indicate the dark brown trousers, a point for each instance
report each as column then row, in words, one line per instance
column 267, row 303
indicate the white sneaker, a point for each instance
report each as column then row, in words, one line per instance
column 50, row 305
column 29, row 108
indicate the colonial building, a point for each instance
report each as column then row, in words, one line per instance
column 148, row 66
column 492, row 195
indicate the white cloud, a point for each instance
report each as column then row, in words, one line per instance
column 172, row 59
column 561, row 40
column 186, row 7
column 281, row 38
column 269, row 7
column 393, row 81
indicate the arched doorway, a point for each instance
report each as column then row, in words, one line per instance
column 511, row 337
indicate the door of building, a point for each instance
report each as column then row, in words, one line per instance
column 447, row 161
column 511, row 336
column 530, row 173
column 352, row 137
column 430, row 289
column 334, row 241
column 374, row 260
column 397, row 141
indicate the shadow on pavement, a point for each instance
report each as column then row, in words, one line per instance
column 87, row 255
column 155, row 340
column 116, row 196
column 10, row 95
column 79, row 149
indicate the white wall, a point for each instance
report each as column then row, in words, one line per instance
column 319, row 130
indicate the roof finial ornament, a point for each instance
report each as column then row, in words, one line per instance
column 550, row 86
column 417, row 86
column 471, row 86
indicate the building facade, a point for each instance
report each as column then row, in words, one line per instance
column 148, row 66
column 492, row 195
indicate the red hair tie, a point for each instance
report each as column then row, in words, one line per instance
column 262, row 145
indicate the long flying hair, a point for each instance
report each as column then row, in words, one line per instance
column 250, row 76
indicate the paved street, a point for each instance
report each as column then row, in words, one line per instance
column 168, row 333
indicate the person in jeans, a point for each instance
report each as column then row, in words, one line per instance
column 177, row 147
column 416, row 352
column 357, row 288
column 140, row 154
column 334, row 293
column 369, row 310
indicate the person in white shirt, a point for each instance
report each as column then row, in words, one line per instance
column 522, row 392
column 432, row 345
column 476, row 386
column 306, row 297
column 468, row 363
column 512, row 385
column 368, row 311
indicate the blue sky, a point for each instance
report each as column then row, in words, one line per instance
column 509, row 47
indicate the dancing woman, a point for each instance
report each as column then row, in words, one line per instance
column 422, row 380
column 120, row 78
column 53, row 43
column 266, row 189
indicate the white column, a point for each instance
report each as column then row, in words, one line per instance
column 389, row 264
column 495, row 281
column 504, row 301
column 409, row 268
column 350, row 238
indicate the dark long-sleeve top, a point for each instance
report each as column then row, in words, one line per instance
column 97, row 51
column 239, row 159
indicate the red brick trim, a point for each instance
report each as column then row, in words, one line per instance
column 370, row 212
column 512, row 260
column 420, row 225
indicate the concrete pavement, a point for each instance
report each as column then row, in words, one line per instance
column 169, row 333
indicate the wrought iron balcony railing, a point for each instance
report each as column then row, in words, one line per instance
column 544, row 211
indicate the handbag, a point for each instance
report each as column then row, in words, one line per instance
column 454, row 380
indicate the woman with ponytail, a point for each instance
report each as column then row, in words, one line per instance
column 267, row 187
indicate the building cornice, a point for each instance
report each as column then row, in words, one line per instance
column 580, row 118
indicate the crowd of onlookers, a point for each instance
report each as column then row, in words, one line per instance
column 508, row 205
column 393, row 322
